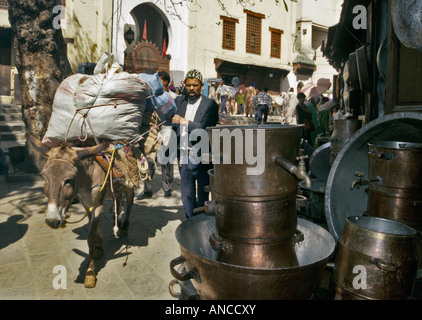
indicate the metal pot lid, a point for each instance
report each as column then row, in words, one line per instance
column 407, row 22
column 342, row 202
column 319, row 163
column 398, row 145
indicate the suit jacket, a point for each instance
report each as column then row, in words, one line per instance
column 206, row 115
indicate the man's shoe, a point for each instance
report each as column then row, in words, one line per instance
column 144, row 195
column 167, row 193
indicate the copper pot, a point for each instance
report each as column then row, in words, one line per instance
column 395, row 175
column 256, row 254
column 382, row 253
column 216, row 280
column 256, row 206
column 344, row 129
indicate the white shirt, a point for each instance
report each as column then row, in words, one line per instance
column 191, row 110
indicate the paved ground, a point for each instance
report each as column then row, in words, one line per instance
column 136, row 267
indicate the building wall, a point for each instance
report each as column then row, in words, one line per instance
column 88, row 26
column 206, row 36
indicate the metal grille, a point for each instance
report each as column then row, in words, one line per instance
column 253, row 34
column 4, row 4
column 229, row 35
column 275, row 44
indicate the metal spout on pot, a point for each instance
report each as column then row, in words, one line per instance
column 299, row 172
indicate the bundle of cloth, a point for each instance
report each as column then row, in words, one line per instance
column 108, row 105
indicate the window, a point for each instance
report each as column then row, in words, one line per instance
column 253, row 31
column 276, row 43
column 4, row 4
column 229, row 33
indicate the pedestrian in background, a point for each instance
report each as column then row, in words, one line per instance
column 249, row 94
column 223, row 90
column 240, row 102
column 262, row 102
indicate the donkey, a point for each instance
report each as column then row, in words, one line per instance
column 73, row 172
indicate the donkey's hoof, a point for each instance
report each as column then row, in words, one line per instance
column 90, row 281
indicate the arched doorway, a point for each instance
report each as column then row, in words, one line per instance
column 148, row 51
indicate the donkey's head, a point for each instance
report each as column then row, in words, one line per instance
column 61, row 177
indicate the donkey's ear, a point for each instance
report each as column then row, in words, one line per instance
column 38, row 145
column 92, row 151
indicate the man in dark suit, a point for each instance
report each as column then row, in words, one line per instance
column 194, row 111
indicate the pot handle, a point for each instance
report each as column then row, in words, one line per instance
column 382, row 156
column 218, row 243
column 174, row 294
column 385, row 265
column 181, row 276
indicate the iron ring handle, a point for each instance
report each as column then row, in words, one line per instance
column 171, row 289
column 384, row 265
column 181, row 276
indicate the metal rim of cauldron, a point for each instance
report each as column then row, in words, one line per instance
column 222, row 281
column 252, row 270
column 371, row 229
column 373, row 131
column 395, row 145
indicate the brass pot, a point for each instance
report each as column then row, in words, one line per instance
column 277, row 254
column 216, row 280
column 255, row 206
column 344, row 129
column 395, row 175
column 376, row 259
column 247, row 218
column 234, row 178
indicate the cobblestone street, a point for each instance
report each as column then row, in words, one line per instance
column 135, row 267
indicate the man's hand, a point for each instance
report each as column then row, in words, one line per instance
column 179, row 120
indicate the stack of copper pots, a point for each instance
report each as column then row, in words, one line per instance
column 250, row 243
column 256, row 216
column 386, row 243
column 395, row 176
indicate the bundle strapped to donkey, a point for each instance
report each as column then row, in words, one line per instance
column 116, row 107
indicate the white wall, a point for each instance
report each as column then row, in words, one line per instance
column 177, row 30
column 206, row 37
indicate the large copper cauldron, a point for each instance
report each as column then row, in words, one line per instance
column 395, row 175
column 216, row 280
column 344, row 129
column 251, row 206
column 376, row 259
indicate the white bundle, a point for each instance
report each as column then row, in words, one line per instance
column 107, row 105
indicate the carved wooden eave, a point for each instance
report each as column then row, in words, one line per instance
column 145, row 57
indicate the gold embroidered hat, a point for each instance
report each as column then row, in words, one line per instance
column 194, row 73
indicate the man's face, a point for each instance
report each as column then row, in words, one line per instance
column 193, row 88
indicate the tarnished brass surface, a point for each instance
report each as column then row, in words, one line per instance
column 280, row 254
column 216, row 280
column 265, row 218
column 343, row 131
column 233, row 179
column 384, row 253
column 395, row 190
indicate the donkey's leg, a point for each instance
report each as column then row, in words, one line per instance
column 95, row 244
column 130, row 196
